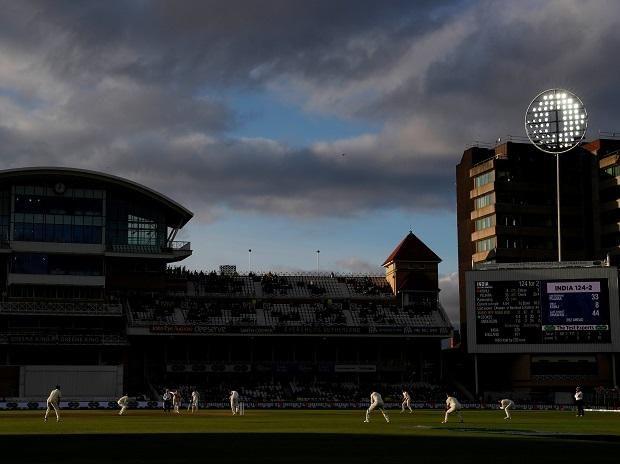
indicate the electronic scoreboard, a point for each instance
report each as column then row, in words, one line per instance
column 543, row 308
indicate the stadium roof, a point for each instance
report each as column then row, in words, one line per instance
column 411, row 248
column 176, row 214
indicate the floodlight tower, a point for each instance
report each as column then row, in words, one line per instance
column 556, row 122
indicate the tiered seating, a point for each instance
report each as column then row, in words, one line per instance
column 370, row 286
column 152, row 310
column 221, row 313
column 272, row 300
column 296, row 314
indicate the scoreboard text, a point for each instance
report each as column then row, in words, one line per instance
column 542, row 311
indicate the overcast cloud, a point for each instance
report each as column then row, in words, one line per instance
column 139, row 89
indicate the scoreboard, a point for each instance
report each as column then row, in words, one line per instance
column 545, row 308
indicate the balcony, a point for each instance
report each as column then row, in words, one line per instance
column 56, row 279
column 38, row 336
column 51, row 308
column 173, row 251
column 483, row 189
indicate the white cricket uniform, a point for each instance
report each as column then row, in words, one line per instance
column 234, row 402
column 507, row 405
column 452, row 405
column 376, row 402
column 195, row 400
column 123, row 402
column 52, row 403
column 406, row 402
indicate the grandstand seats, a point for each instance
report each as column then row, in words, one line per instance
column 272, row 300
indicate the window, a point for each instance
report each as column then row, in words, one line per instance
column 613, row 171
column 141, row 231
column 485, row 245
column 483, row 201
column 484, row 179
column 485, row 222
column 44, row 215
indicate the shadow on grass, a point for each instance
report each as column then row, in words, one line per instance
column 300, row 448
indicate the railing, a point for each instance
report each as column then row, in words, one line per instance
column 178, row 245
column 31, row 337
column 171, row 247
column 61, row 308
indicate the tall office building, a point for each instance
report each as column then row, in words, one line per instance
column 608, row 155
column 506, row 207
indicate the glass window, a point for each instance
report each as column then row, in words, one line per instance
column 485, row 222
column 486, row 244
column 484, row 179
column 613, row 171
column 483, row 201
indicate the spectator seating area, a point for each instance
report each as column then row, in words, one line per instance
column 277, row 313
column 272, row 285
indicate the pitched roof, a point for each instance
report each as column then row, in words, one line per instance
column 412, row 249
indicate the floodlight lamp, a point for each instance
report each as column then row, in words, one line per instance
column 556, row 121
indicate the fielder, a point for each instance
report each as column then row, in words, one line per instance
column 176, row 401
column 52, row 402
column 452, row 405
column 194, row 403
column 123, row 402
column 376, row 402
column 234, row 402
column 507, row 405
column 406, row 402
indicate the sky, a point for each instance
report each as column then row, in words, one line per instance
column 291, row 126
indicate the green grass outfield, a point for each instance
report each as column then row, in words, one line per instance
column 306, row 436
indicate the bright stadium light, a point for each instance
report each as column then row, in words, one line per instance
column 556, row 121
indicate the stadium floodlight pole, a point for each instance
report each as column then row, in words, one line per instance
column 249, row 260
column 318, row 252
column 555, row 122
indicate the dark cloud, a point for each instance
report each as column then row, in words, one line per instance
column 139, row 89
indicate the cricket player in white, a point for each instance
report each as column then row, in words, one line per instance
column 376, row 402
column 406, row 402
column 234, row 402
column 507, row 405
column 123, row 402
column 52, row 402
column 452, row 405
column 195, row 400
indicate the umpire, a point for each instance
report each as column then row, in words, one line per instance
column 579, row 402
column 167, row 400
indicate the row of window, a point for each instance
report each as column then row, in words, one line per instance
column 514, row 243
column 613, row 171
column 58, row 190
column 60, row 233
column 58, row 219
column 484, row 200
column 40, row 263
column 513, row 221
column 487, row 244
column 58, row 205
column 485, row 222
column 484, row 179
